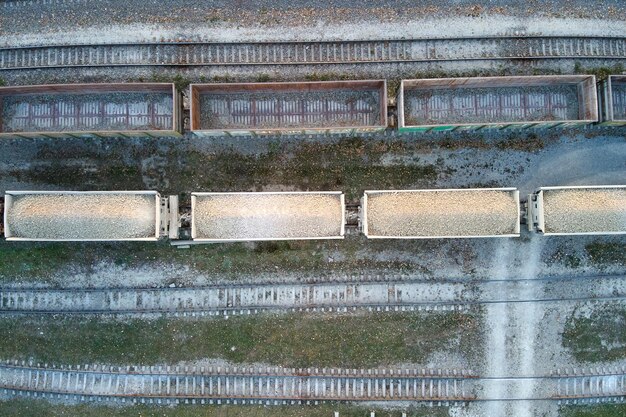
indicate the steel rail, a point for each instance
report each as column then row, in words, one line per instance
column 280, row 384
column 366, row 385
column 249, row 299
column 346, row 279
column 242, row 311
column 183, row 54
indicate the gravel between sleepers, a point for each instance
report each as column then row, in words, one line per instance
column 442, row 213
column 583, row 210
column 247, row 216
column 89, row 216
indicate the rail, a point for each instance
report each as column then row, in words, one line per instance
column 243, row 299
column 261, row 384
column 184, row 54
column 290, row 385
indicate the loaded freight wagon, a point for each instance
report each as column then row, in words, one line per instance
column 228, row 217
column 496, row 102
column 89, row 215
column 613, row 100
column 289, row 107
column 258, row 216
column 578, row 210
column 452, row 213
column 88, row 110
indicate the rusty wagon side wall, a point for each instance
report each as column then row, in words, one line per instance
column 83, row 110
column 289, row 107
column 497, row 102
column 612, row 96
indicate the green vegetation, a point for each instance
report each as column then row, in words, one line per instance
column 263, row 78
column 291, row 340
column 351, row 165
column 603, row 254
column 181, row 82
column 599, row 337
column 528, row 143
column 40, row 408
column 601, row 73
column 2, row 82
column 40, row 261
column 600, row 410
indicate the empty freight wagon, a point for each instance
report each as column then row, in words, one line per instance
column 224, row 217
column 497, row 102
column 578, row 210
column 613, row 100
column 453, row 213
column 290, row 107
column 86, row 110
column 82, row 216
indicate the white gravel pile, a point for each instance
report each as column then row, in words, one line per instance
column 82, row 216
column 267, row 216
column 442, row 213
column 581, row 210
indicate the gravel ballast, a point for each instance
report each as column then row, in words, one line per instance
column 585, row 210
column 457, row 213
column 67, row 216
column 267, row 216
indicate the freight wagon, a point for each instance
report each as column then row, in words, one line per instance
column 236, row 217
column 613, row 100
column 88, row 110
column 288, row 107
column 228, row 217
column 496, row 102
column 452, row 213
column 89, row 215
column 579, row 210
column 233, row 109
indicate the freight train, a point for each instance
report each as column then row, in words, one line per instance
column 234, row 109
column 256, row 216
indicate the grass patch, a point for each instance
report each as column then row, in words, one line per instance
column 603, row 254
column 351, row 165
column 291, row 340
column 599, row 337
column 181, row 82
column 528, row 143
column 263, row 78
column 601, row 73
column 41, row 408
column 41, row 261
column 600, row 410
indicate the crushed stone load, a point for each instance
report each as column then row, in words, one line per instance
column 67, row 216
column 249, row 216
column 448, row 213
column 584, row 210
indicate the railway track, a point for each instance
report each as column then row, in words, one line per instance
column 592, row 384
column 244, row 299
column 182, row 54
column 247, row 384
column 159, row 384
